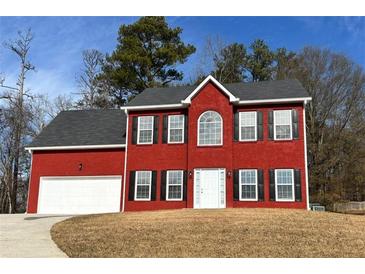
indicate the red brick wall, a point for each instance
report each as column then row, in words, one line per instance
column 66, row 163
column 231, row 155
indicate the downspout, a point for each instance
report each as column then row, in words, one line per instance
column 125, row 161
column 305, row 154
column 30, row 179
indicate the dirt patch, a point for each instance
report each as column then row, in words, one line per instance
column 213, row 233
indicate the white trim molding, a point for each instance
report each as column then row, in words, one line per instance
column 75, row 147
column 231, row 97
column 148, row 107
column 125, row 161
column 270, row 101
column 305, row 156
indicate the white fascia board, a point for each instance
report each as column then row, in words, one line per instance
column 232, row 98
column 148, row 107
column 75, row 147
column 269, row 101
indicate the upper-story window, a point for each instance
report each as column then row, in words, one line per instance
column 145, row 130
column 282, row 125
column 176, row 129
column 248, row 126
column 210, row 129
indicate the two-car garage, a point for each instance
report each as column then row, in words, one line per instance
column 79, row 194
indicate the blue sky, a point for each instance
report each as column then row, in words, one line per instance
column 59, row 41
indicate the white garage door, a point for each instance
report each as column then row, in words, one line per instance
column 79, row 195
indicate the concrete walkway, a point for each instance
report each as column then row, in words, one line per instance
column 28, row 235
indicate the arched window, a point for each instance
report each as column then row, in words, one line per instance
column 210, row 129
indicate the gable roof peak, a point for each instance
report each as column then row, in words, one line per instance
column 210, row 78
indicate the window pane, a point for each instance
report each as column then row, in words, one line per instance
column 284, row 177
column 248, row 184
column 174, row 184
column 145, row 136
column 143, row 192
column 174, row 192
column 210, row 128
column 282, row 132
column 248, row 133
column 248, row 192
column 285, row 192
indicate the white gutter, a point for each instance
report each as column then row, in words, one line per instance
column 305, row 154
column 75, row 147
column 269, row 101
column 125, row 161
column 168, row 106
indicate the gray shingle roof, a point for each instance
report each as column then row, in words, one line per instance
column 84, row 127
column 244, row 91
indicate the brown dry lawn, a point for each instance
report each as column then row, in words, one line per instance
column 213, row 233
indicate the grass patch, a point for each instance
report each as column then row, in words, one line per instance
column 213, row 233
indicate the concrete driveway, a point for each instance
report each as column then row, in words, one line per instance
column 28, row 235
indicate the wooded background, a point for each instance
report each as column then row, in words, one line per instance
column 146, row 56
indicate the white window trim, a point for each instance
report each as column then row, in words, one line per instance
column 210, row 145
column 240, row 125
column 276, row 186
column 167, row 186
column 168, row 129
column 138, row 131
column 290, row 125
column 135, row 187
column 240, row 185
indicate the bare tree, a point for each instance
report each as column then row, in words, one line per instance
column 87, row 80
column 335, row 123
column 14, row 117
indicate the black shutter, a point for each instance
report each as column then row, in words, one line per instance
column 236, row 191
column 134, row 130
column 186, row 128
column 260, row 133
column 132, row 180
column 155, row 129
column 272, row 184
column 185, row 186
column 165, row 124
column 236, row 126
column 271, row 124
column 260, row 185
column 163, row 186
column 295, row 127
column 297, row 185
column 153, row 185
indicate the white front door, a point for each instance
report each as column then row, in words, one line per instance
column 209, row 188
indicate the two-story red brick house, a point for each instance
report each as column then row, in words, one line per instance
column 206, row 146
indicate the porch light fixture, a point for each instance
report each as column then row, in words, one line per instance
column 229, row 173
column 80, row 166
column 190, row 173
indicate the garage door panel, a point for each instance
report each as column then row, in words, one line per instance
column 79, row 195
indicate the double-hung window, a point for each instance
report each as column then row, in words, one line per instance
column 174, row 185
column 248, row 126
column 143, row 186
column 284, row 181
column 282, row 125
column 145, row 130
column 248, row 184
column 176, row 129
